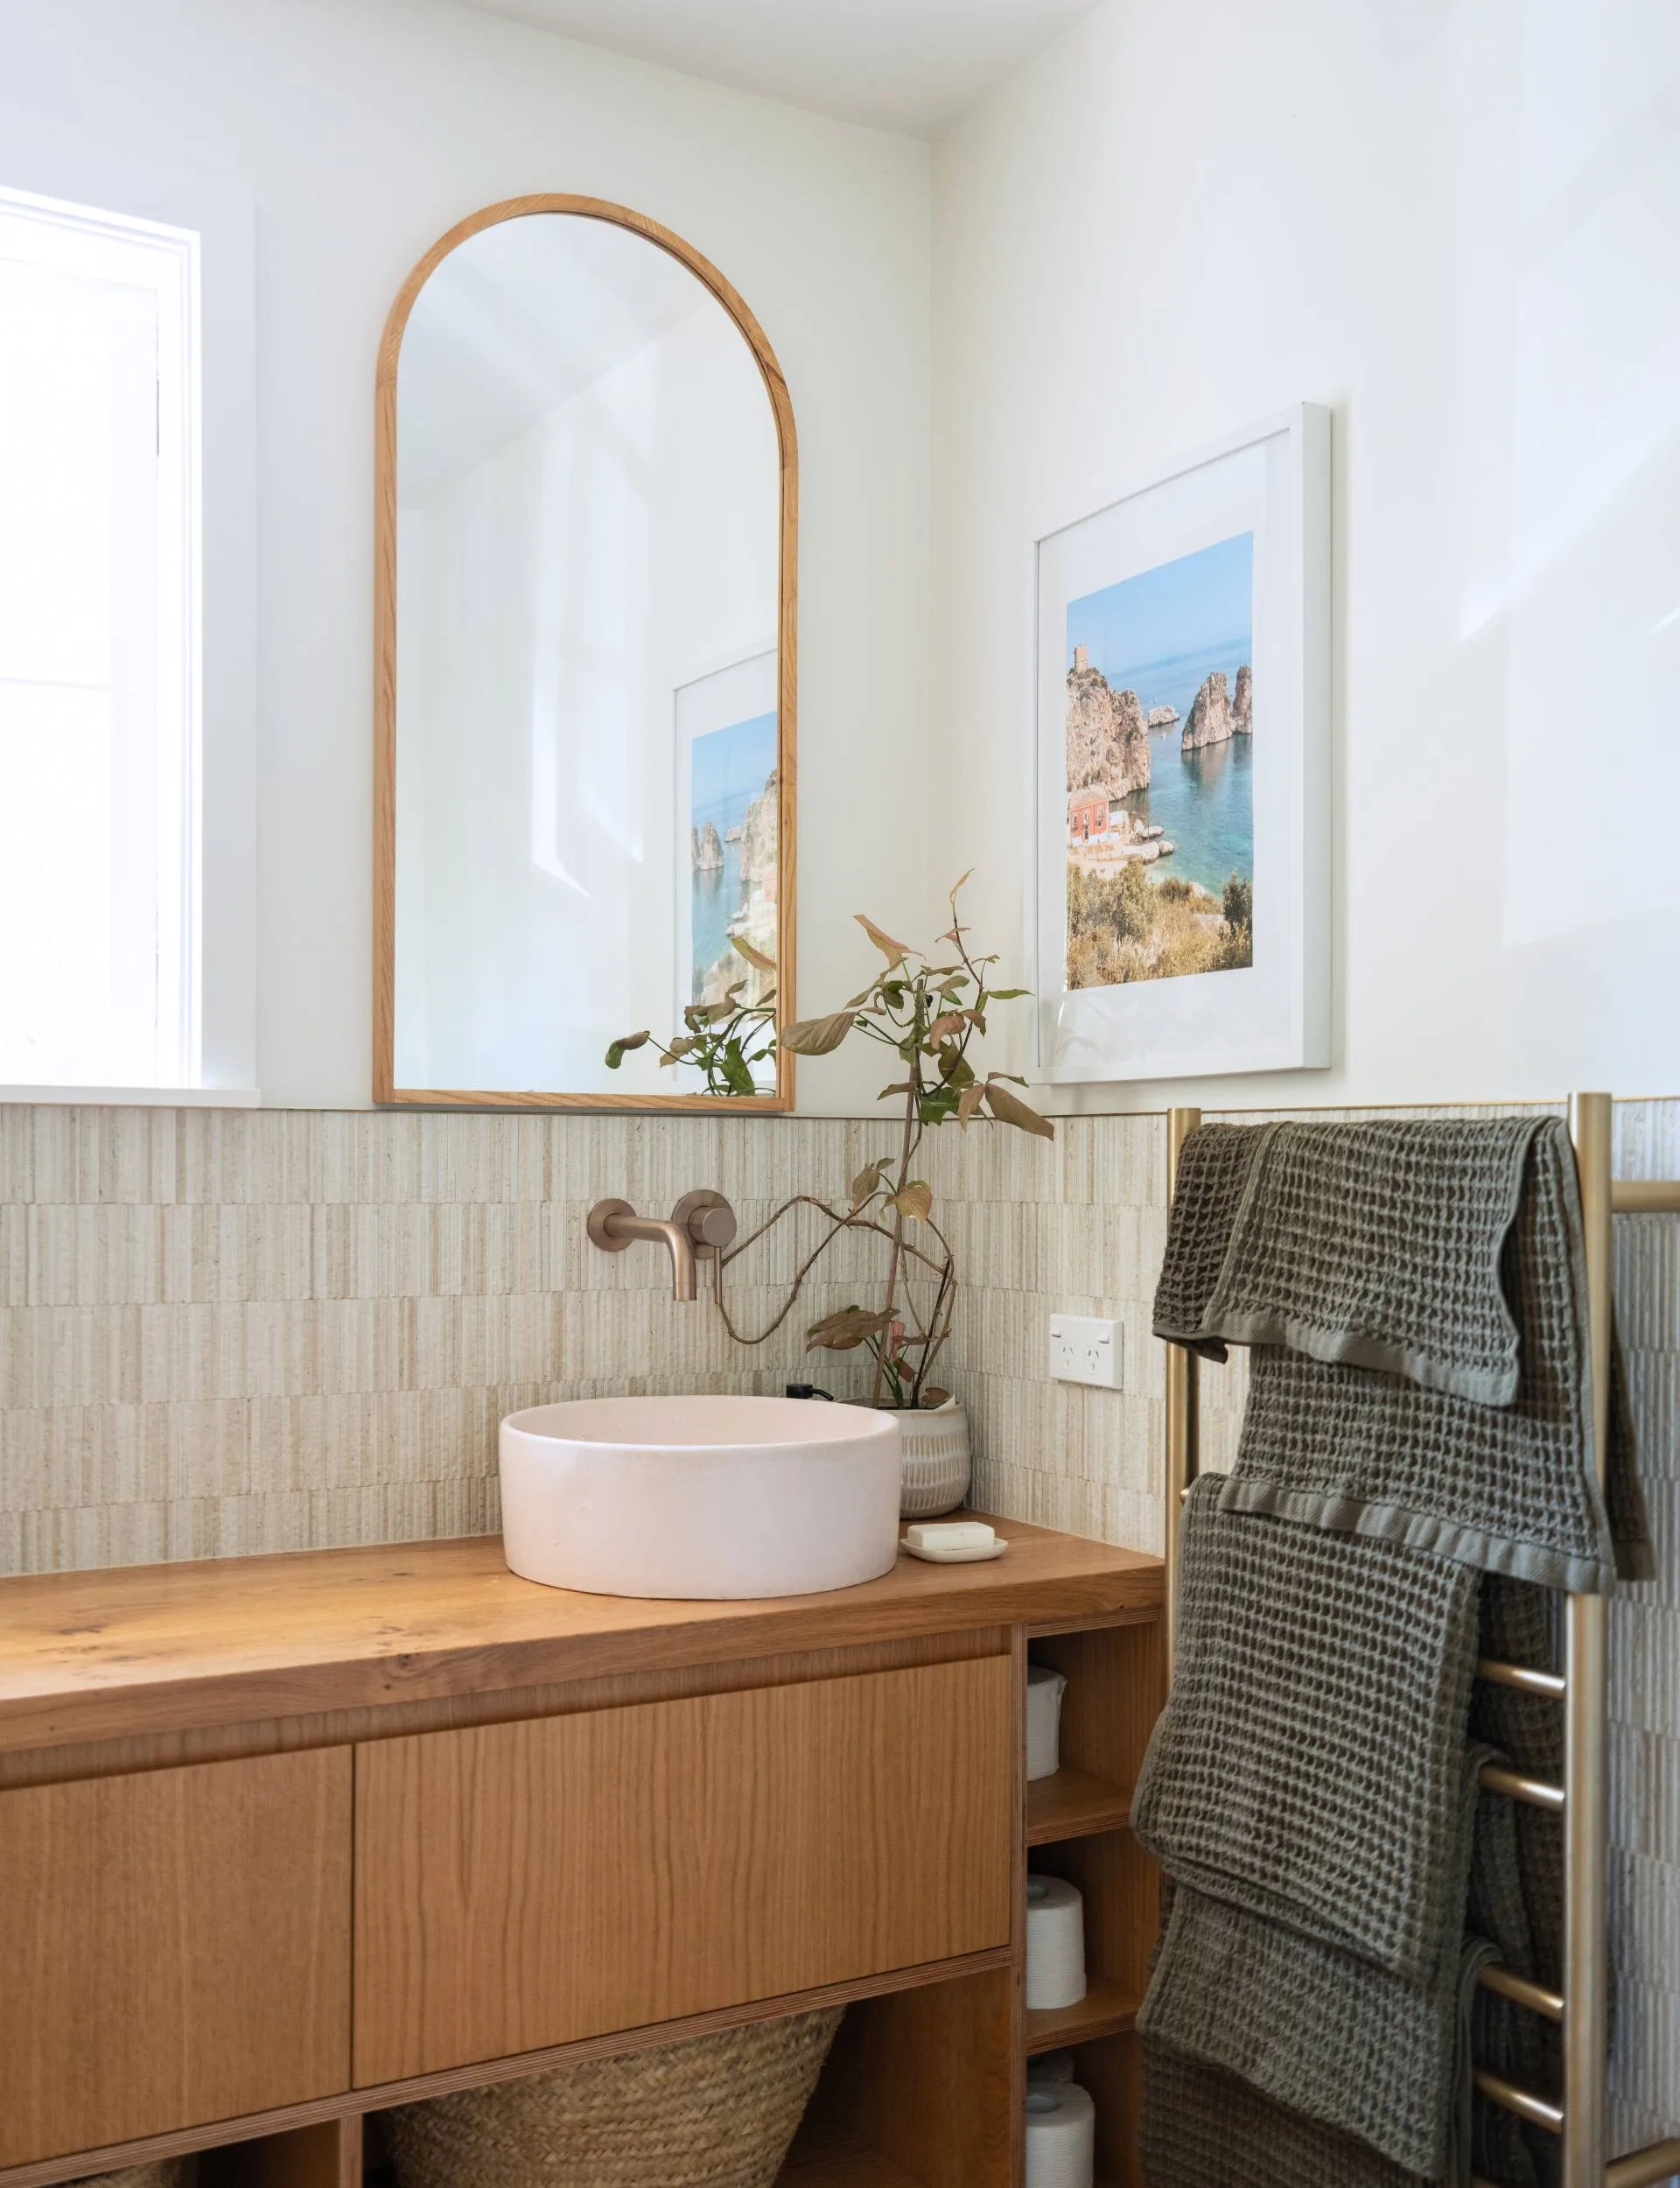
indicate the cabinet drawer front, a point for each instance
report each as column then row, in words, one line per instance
column 175, row 1948
column 521, row 1885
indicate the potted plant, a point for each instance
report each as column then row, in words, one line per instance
column 930, row 1008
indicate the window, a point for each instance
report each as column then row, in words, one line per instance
column 99, row 648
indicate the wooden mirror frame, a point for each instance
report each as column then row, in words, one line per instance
column 386, row 1093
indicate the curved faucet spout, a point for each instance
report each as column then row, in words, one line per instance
column 658, row 1230
column 702, row 1225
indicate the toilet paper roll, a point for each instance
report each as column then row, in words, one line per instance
column 1044, row 1689
column 1056, row 1943
column 1061, row 2135
column 1050, row 2066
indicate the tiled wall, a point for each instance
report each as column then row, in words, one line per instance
column 223, row 1331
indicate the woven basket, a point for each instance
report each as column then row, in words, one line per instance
column 713, row 2112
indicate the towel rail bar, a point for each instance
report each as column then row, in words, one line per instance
column 1495, row 1778
column 1505, row 1982
column 1643, row 2168
column 1539, row 2111
column 1525, row 1677
column 1645, row 1196
column 1581, row 2008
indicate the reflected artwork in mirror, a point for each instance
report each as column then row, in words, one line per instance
column 585, row 689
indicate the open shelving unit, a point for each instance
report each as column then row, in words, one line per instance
column 1078, row 1827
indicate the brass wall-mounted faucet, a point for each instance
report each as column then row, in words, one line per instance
column 698, row 1228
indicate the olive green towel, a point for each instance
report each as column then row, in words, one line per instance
column 1460, row 1423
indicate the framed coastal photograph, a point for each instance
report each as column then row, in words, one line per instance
column 1182, row 853
column 726, row 822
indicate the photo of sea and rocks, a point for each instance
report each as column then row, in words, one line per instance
column 1160, row 746
column 731, row 857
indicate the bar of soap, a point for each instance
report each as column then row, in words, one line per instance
column 949, row 1534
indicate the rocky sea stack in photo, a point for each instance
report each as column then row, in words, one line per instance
column 1108, row 743
column 1243, row 704
column 1210, row 720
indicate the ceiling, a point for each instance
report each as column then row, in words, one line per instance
column 912, row 65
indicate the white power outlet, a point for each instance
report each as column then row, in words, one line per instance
column 1085, row 1348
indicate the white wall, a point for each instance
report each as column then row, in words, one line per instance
column 359, row 130
column 1458, row 221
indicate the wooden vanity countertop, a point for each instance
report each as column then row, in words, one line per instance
column 168, row 1648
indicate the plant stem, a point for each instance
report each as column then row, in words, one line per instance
column 907, row 1148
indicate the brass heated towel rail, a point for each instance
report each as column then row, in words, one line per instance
column 1581, row 2009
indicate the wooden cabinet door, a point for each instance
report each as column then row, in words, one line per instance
column 174, row 1948
column 521, row 1885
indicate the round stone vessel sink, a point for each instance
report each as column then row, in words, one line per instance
column 704, row 1498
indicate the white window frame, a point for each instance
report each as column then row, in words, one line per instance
column 205, row 861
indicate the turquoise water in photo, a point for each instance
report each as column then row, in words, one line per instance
column 718, row 896
column 1204, row 800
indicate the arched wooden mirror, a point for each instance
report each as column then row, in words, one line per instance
column 584, row 788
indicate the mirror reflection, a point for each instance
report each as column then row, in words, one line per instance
column 587, row 806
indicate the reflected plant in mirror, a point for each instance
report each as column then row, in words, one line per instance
column 730, row 1041
column 930, row 1008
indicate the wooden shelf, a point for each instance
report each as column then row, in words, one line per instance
column 832, row 2157
column 1105, row 2010
column 1073, row 1804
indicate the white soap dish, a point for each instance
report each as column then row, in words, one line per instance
column 958, row 1557
column 958, row 1542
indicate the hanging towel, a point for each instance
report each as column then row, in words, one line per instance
column 1336, row 1434
column 1308, row 1764
column 1207, row 2129
column 1377, row 1243
column 1328, row 2036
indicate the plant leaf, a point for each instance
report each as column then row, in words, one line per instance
column 894, row 952
column 621, row 1050
column 914, row 1199
column 933, row 1396
column 868, row 1182
column 817, row 1036
column 737, row 1077
column 967, row 1102
column 845, row 1331
column 955, row 885
column 1010, row 1109
column 1006, row 995
column 955, row 1070
column 753, row 956
column 942, row 1029
column 903, row 1087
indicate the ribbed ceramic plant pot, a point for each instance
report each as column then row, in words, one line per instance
column 713, row 2112
column 937, row 1462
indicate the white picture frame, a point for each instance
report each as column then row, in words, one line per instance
column 1254, row 1003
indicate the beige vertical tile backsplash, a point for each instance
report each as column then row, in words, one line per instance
column 224, row 1331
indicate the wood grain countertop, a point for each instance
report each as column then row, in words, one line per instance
column 155, row 1648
